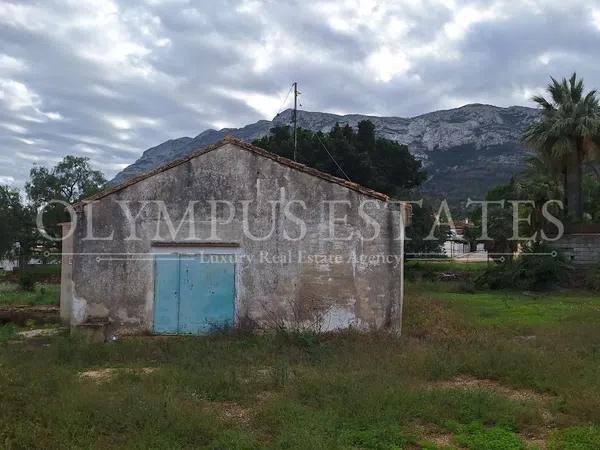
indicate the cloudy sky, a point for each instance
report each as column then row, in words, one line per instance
column 107, row 79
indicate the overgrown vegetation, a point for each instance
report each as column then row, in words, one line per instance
column 26, row 281
column 591, row 278
column 577, row 438
column 478, row 437
column 537, row 267
column 39, row 273
column 41, row 294
column 482, row 371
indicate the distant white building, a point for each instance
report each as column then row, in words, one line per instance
column 7, row 265
column 457, row 247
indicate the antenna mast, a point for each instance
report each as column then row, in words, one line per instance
column 295, row 119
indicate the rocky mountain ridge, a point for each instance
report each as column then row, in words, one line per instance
column 466, row 150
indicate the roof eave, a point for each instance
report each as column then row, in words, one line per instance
column 249, row 147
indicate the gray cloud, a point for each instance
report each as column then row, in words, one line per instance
column 108, row 79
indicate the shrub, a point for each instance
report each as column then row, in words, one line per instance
column 41, row 273
column 466, row 287
column 538, row 270
column 592, row 278
column 577, row 438
column 26, row 281
column 7, row 332
column 538, row 267
column 478, row 437
column 498, row 276
column 419, row 272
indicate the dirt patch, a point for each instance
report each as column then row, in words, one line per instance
column 536, row 438
column 470, row 383
column 429, row 319
column 535, row 442
column 42, row 332
column 106, row 374
column 433, row 434
column 259, row 375
column 230, row 411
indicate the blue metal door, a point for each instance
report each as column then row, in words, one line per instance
column 205, row 294
column 166, row 293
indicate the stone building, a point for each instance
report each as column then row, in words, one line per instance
column 233, row 235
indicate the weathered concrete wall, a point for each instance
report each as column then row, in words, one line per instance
column 115, row 278
column 66, row 274
column 580, row 249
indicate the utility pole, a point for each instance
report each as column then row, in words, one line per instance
column 295, row 118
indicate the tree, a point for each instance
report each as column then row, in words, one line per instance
column 536, row 184
column 70, row 181
column 499, row 224
column 10, row 205
column 534, row 187
column 591, row 196
column 380, row 164
column 17, row 229
column 568, row 133
column 423, row 220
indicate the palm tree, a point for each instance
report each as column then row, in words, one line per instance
column 567, row 134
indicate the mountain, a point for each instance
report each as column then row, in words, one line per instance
column 465, row 150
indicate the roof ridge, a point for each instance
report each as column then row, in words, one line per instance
column 230, row 139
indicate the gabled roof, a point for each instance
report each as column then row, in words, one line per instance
column 251, row 148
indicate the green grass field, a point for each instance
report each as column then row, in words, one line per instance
column 505, row 308
column 43, row 294
column 478, row 371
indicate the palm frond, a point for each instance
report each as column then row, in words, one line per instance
column 541, row 101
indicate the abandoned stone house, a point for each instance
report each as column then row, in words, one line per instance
column 233, row 235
